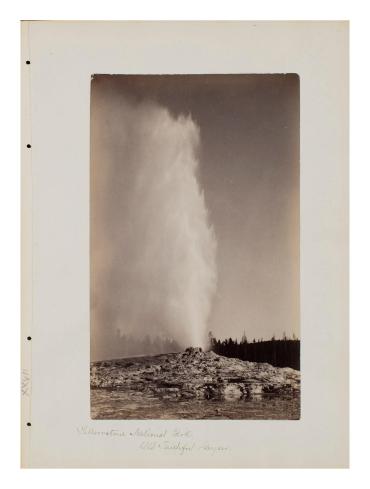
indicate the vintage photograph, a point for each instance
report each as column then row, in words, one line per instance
column 194, row 246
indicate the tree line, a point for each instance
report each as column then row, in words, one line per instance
column 283, row 352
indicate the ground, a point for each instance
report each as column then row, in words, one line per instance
column 184, row 380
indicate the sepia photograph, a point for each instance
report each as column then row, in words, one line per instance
column 194, row 247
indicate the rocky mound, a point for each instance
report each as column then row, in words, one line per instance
column 194, row 374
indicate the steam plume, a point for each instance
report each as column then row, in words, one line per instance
column 153, row 250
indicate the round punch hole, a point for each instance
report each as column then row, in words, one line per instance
column 29, row 338
column 28, row 62
column 28, row 146
column 28, row 424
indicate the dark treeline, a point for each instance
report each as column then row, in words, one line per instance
column 279, row 353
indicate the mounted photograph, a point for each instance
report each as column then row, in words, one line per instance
column 195, row 247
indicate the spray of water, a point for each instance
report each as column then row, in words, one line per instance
column 153, row 248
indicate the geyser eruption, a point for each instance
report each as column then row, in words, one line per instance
column 153, row 249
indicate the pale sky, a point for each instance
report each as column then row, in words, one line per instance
column 249, row 173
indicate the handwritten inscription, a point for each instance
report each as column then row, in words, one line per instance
column 25, row 382
column 167, row 441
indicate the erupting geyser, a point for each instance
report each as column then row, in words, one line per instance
column 150, row 214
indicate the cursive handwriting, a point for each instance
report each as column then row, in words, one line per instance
column 175, row 441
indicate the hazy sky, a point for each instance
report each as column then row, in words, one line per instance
column 248, row 155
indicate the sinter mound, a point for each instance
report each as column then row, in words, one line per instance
column 194, row 374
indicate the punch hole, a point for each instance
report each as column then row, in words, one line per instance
column 28, row 62
column 28, row 146
column 28, row 424
column 29, row 338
